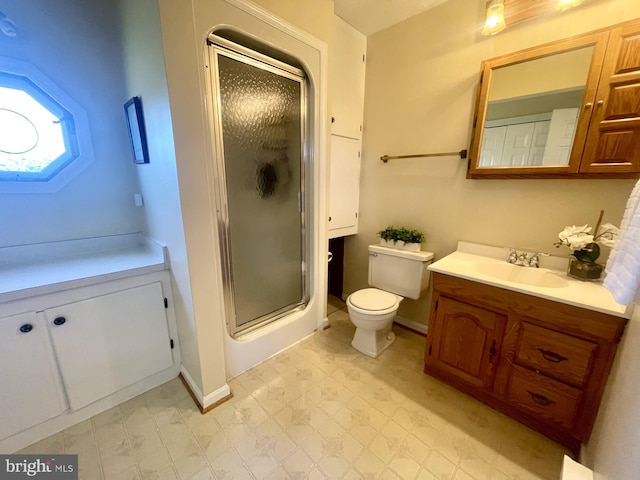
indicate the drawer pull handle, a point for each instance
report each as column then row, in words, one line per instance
column 552, row 356
column 59, row 321
column 540, row 399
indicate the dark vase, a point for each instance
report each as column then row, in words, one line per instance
column 585, row 271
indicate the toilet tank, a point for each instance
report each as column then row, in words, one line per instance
column 399, row 271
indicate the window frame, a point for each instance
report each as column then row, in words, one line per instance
column 77, row 137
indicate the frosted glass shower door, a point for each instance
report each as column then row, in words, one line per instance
column 260, row 121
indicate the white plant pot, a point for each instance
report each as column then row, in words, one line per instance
column 400, row 245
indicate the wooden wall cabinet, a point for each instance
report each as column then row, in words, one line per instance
column 606, row 88
column 541, row 362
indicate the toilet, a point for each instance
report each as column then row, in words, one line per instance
column 395, row 274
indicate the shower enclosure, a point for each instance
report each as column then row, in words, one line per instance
column 259, row 118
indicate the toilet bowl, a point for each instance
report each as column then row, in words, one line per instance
column 395, row 274
column 372, row 312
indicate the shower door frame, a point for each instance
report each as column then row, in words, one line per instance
column 221, row 46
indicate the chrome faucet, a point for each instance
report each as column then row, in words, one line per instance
column 523, row 259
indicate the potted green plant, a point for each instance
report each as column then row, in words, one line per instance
column 401, row 238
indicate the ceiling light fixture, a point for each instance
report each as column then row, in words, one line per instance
column 562, row 5
column 494, row 22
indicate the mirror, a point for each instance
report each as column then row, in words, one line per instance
column 533, row 109
column 529, row 108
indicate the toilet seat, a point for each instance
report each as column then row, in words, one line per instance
column 373, row 300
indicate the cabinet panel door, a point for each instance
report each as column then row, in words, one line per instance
column 347, row 79
column 613, row 144
column 109, row 342
column 344, row 184
column 464, row 341
column 29, row 394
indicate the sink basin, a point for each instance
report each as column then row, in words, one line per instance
column 536, row 277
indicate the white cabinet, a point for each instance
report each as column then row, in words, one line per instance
column 70, row 354
column 347, row 79
column 29, row 381
column 347, row 89
column 345, row 176
column 106, row 343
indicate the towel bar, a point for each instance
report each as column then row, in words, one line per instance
column 462, row 154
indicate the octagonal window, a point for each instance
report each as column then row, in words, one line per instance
column 39, row 134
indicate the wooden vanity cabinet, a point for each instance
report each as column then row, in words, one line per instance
column 541, row 362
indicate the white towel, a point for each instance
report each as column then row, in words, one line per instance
column 623, row 267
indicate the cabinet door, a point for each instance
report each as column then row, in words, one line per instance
column 463, row 341
column 613, row 142
column 28, row 375
column 344, row 186
column 109, row 342
column 347, row 79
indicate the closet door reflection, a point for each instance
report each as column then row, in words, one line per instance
column 261, row 129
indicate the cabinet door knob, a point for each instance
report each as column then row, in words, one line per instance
column 26, row 328
column 59, row 321
column 599, row 103
column 588, row 105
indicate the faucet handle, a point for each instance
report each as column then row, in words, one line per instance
column 535, row 258
column 513, row 255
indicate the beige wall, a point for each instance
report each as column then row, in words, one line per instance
column 421, row 83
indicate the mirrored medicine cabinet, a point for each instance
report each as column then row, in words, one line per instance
column 570, row 108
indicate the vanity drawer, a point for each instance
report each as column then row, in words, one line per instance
column 561, row 356
column 544, row 397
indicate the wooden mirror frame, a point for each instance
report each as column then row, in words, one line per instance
column 597, row 40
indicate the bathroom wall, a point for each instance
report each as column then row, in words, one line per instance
column 75, row 43
column 144, row 76
column 612, row 450
column 421, row 82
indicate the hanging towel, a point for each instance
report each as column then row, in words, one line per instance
column 623, row 267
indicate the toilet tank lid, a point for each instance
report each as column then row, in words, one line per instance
column 418, row 256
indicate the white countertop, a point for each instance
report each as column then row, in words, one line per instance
column 470, row 260
column 29, row 270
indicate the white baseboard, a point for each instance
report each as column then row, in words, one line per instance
column 416, row 326
column 209, row 399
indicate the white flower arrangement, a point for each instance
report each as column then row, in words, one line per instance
column 584, row 244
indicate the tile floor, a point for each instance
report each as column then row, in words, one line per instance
column 319, row 410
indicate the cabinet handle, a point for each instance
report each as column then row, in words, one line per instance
column 492, row 351
column 600, row 103
column 552, row 356
column 588, row 105
column 26, row 328
column 59, row 321
column 540, row 399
